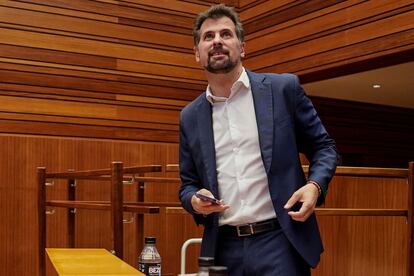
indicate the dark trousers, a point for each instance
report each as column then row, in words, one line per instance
column 265, row 254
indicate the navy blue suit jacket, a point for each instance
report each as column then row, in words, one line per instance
column 287, row 124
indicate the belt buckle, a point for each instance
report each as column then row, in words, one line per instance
column 239, row 234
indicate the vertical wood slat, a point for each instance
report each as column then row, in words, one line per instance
column 41, row 216
column 71, row 213
column 116, row 208
column 139, row 224
column 410, row 221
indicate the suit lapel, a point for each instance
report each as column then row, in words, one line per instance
column 263, row 105
column 205, row 131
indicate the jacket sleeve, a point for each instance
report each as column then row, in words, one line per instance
column 190, row 178
column 314, row 141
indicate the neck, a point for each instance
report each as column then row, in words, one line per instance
column 220, row 84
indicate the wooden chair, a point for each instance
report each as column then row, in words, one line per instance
column 117, row 176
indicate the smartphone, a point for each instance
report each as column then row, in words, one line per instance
column 207, row 198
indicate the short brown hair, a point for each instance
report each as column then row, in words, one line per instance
column 216, row 12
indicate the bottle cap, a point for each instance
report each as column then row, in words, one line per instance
column 217, row 270
column 150, row 240
column 205, row 261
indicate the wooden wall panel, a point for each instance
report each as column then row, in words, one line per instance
column 327, row 36
column 20, row 157
column 250, row 9
column 85, row 82
column 364, row 245
column 92, row 28
column 119, row 62
column 243, row 4
column 272, row 13
column 95, row 47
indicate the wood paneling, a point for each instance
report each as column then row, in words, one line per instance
column 250, row 9
column 94, row 47
column 275, row 12
column 389, row 26
column 244, row 4
column 364, row 245
column 86, row 82
column 346, row 32
column 91, row 27
column 71, row 66
column 20, row 157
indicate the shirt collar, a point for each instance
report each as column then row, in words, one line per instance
column 243, row 80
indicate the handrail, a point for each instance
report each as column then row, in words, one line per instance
column 330, row 212
column 152, row 179
column 103, row 172
column 343, row 171
column 172, row 168
column 367, row 171
column 361, row 212
column 104, row 205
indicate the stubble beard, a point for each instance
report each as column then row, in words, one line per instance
column 221, row 67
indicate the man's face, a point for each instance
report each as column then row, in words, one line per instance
column 219, row 50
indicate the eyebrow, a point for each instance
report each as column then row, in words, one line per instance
column 211, row 31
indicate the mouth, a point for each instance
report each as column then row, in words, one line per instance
column 216, row 53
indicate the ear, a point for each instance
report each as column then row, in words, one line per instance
column 242, row 51
column 196, row 53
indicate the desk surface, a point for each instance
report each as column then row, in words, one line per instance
column 91, row 262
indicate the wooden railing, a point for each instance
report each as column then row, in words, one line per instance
column 408, row 213
column 117, row 176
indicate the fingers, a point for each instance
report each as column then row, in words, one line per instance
column 292, row 200
column 213, row 208
column 308, row 197
column 205, row 192
column 304, row 212
column 205, row 207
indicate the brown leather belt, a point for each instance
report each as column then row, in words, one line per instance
column 249, row 229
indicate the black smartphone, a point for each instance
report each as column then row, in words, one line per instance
column 207, row 198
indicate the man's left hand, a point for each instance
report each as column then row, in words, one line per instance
column 308, row 195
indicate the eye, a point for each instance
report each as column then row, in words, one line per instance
column 208, row 36
column 226, row 34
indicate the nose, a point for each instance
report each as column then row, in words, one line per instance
column 217, row 39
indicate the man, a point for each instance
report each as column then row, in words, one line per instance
column 240, row 143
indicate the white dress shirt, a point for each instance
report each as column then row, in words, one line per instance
column 242, row 179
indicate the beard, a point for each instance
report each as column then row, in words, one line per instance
column 221, row 66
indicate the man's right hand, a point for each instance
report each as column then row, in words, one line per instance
column 206, row 207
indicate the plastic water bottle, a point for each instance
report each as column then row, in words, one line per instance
column 218, row 271
column 203, row 265
column 149, row 261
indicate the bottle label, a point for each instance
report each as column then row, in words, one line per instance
column 150, row 269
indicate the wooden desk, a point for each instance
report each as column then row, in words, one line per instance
column 90, row 262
